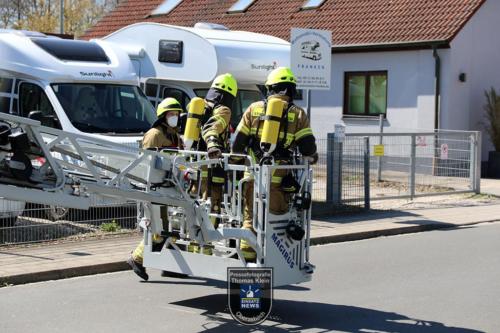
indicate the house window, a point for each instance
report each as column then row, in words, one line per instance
column 166, row 7
column 365, row 93
column 312, row 4
column 240, row 6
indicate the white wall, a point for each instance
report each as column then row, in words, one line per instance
column 410, row 92
column 476, row 52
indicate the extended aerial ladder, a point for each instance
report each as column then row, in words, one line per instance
column 76, row 166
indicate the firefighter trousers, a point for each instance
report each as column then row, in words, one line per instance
column 158, row 241
column 278, row 204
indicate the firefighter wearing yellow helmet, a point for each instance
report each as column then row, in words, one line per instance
column 274, row 127
column 214, row 122
column 164, row 133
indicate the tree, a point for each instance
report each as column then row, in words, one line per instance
column 11, row 12
column 492, row 108
column 43, row 15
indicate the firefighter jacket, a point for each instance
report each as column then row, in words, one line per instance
column 161, row 136
column 215, row 133
column 215, row 126
column 295, row 132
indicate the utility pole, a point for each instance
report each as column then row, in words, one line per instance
column 61, row 17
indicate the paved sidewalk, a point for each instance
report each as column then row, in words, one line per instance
column 490, row 186
column 56, row 261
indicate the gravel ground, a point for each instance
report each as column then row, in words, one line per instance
column 444, row 201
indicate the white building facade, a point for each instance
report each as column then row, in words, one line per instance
column 468, row 65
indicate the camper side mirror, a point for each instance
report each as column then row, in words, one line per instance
column 45, row 120
column 36, row 115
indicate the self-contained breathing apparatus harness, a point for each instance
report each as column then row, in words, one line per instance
column 281, row 153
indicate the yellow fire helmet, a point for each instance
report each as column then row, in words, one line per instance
column 168, row 104
column 226, row 82
column 280, row 75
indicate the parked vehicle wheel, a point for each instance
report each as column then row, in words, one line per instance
column 56, row 213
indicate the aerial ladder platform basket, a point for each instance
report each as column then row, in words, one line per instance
column 76, row 166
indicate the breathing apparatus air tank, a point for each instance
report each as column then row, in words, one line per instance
column 195, row 113
column 272, row 121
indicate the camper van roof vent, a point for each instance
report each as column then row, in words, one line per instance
column 210, row 26
column 73, row 50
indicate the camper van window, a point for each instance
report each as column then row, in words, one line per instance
column 178, row 94
column 105, row 108
column 151, row 89
column 73, row 50
column 240, row 104
column 170, row 51
column 14, row 106
column 4, row 104
column 5, row 85
column 5, row 95
column 33, row 98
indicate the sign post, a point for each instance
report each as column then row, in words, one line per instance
column 311, row 60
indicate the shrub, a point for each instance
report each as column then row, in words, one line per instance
column 110, row 226
column 492, row 108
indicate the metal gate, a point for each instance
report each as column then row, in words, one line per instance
column 410, row 165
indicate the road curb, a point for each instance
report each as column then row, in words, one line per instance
column 319, row 240
column 65, row 273
column 354, row 236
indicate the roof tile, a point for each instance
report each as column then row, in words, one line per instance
column 352, row 22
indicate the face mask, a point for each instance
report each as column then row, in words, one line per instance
column 172, row 121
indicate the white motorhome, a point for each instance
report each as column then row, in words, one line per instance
column 181, row 62
column 79, row 86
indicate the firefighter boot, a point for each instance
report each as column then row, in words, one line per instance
column 247, row 251
column 135, row 262
column 138, row 268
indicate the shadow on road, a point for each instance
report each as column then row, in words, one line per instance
column 213, row 283
column 294, row 316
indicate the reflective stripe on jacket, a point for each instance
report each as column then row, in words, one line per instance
column 298, row 132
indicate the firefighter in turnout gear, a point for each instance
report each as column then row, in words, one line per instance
column 276, row 117
column 214, row 123
column 164, row 133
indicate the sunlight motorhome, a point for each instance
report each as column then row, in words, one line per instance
column 78, row 86
column 181, row 62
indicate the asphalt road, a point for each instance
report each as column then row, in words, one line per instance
column 444, row 281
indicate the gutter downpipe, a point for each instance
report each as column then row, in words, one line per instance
column 437, row 87
column 437, row 113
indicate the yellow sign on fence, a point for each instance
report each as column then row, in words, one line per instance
column 378, row 150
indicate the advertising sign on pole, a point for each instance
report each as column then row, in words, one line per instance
column 311, row 58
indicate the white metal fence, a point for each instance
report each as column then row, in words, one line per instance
column 413, row 164
column 423, row 164
column 28, row 223
column 341, row 176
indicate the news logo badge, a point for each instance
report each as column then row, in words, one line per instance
column 250, row 294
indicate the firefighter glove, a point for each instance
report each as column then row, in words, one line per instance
column 213, row 147
column 313, row 158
